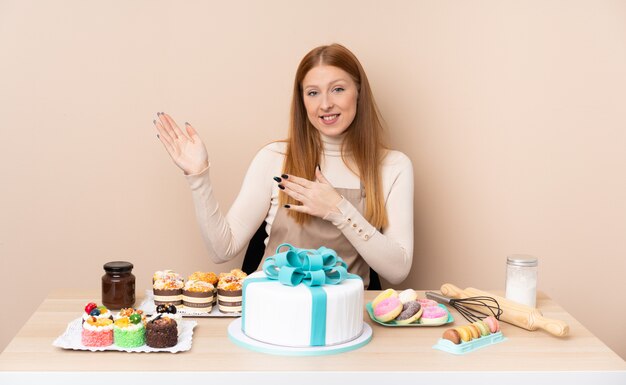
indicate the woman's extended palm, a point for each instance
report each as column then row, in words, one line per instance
column 187, row 151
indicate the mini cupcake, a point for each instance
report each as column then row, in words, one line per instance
column 198, row 295
column 209, row 277
column 97, row 332
column 99, row 312
column 229, row 293
column 167, row 287
column 129, row 332
column 161, row 332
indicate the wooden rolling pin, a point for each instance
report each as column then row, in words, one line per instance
column 514, row 313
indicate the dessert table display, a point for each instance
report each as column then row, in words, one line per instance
column 394, row 355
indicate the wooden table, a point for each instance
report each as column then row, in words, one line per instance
column 394, row 356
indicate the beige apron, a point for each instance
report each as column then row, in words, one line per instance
column 318, row 232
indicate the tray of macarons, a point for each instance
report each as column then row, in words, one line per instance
column 391, row 308
column 467, row 338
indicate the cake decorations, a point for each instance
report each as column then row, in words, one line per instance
column 167, row 287
column 99, row 312
column 97, row 332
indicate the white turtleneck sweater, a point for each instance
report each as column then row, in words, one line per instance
column 389, row 251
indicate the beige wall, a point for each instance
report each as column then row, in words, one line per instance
column 512, row 112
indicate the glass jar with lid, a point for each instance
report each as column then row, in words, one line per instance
column 521, row 279
column 118, row 285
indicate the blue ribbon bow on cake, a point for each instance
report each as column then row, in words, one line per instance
column 309, row 266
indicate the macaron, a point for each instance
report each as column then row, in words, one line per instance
column 384, row 295
column 493, row 324
column 407, row 295
column 463, row 333
column 433, row 315
column 482, row 327
column 411, row 312
column 474, row 331
column 452, row 335
column 388, row 309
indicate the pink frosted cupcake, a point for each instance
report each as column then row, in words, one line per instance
column 97, row 332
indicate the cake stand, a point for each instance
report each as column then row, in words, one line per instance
column 239, row 338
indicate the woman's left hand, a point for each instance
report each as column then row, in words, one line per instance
column 318, row 198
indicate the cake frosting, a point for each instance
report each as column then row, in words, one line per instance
column 279, row 314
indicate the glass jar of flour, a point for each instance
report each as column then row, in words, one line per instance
column 521, row 279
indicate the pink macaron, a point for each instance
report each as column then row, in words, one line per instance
column 492, row 323
column 388, row 309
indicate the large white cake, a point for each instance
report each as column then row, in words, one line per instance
column 282, row 315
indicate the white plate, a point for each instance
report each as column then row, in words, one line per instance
column 71, row 339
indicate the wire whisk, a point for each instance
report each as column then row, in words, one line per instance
column 471, row 308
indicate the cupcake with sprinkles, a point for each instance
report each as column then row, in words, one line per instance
column 97, row 332
column 129, row 330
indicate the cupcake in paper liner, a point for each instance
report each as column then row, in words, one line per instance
column 167, row 288
column 198, row 295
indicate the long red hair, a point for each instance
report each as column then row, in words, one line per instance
column 363, row 142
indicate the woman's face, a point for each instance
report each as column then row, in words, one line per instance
column 330, row 97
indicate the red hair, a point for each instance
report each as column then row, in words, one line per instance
column 363, row 140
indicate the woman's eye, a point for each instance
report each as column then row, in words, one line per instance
column 339, row 89
column 311, row 93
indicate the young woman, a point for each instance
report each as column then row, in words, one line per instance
column 331, row 183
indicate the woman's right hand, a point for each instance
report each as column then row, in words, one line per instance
column 187, row 151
